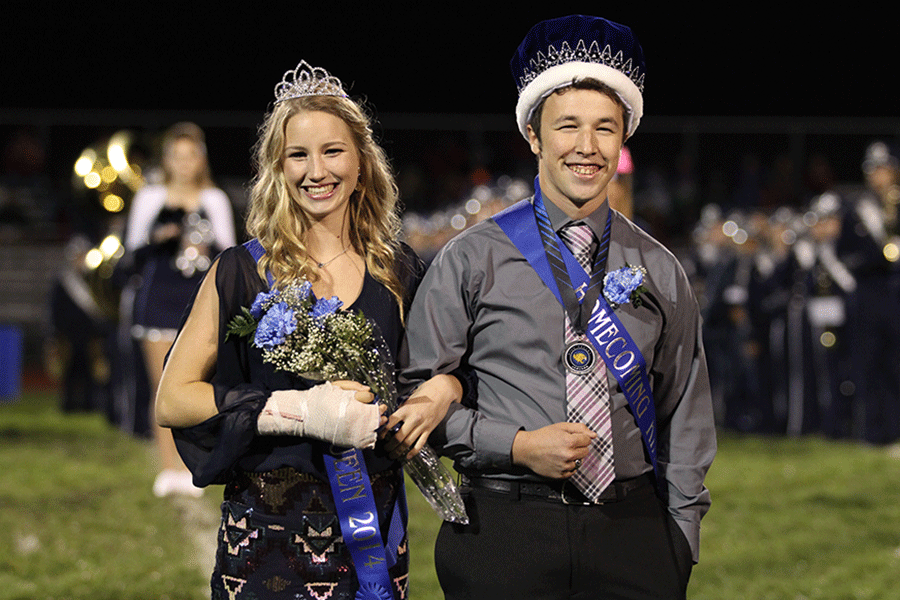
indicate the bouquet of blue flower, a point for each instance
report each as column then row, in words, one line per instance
column 312, row 338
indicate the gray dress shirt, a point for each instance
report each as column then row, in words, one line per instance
column 482, row 305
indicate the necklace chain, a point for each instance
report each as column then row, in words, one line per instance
column 331, row 260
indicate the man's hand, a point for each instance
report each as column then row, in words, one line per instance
column 551, row 451
column 411, row 424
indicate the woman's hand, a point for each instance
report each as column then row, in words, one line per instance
column 363, row 394
column 326, row 412
column 408, row 428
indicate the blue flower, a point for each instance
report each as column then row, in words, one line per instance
column 325, row 306
column 256, row 308
column 276, row 324
column 624, row 285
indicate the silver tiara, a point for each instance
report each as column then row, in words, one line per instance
column 307, row 80
column 581, row 53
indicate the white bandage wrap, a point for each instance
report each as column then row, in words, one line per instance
column 324, row 412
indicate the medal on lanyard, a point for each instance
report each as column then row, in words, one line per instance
column 579, row 356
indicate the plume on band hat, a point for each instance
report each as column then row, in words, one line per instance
column 557, row 51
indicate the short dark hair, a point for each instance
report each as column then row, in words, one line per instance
column 587, row 83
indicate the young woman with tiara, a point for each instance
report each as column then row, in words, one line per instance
column 323, row 210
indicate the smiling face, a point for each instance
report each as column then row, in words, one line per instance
column 581, row 136
column 320, row 164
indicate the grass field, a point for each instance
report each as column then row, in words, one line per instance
column 792, row 519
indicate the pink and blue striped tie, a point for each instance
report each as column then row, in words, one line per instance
column 587, row 394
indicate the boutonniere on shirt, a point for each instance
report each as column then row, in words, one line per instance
column 625, row 285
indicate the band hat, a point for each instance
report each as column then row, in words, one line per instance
column 880, row 154
column 559, row 51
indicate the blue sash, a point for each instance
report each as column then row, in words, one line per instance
column 256, row 250
column 605, row 331
column 357, row 512
column 359, row 522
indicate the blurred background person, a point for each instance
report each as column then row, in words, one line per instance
column 79, row 328
column 175, row 228
column 809, row 289
column 870, row 247
column 621, row 190
column 829, row 285
column 621, row 187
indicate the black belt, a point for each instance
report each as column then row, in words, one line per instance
column 562, row 491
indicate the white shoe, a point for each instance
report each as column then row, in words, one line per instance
column 183, row 484
column 175, row 482
column 163, row 485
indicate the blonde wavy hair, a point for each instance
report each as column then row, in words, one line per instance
column 279, row 223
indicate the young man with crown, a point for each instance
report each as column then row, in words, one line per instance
column 585, row 456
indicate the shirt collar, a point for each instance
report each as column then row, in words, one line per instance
column 596, row 220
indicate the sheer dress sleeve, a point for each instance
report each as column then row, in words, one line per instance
column 212, row 448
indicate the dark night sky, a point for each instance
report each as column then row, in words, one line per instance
column 443, row 57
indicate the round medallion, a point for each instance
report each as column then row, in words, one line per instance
column 580, row 357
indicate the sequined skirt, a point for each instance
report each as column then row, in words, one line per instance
column 280, row 538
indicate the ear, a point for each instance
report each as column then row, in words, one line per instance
column 533, row 141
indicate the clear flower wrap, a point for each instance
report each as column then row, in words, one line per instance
column 312, row 338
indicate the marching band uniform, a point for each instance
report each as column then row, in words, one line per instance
column 827, row 284
column 868, row 246
column 80, row 327
column 808, row 289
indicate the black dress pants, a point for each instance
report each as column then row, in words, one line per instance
column 537, row 549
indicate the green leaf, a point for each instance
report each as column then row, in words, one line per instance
column 243, row 325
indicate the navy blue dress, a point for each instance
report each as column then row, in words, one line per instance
column 280, row 536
